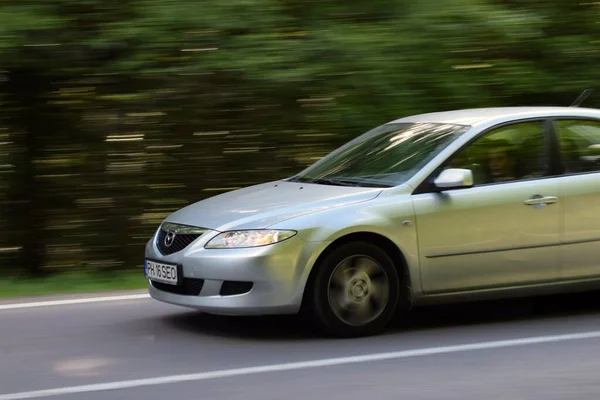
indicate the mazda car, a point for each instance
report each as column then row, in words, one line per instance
column 459, row 205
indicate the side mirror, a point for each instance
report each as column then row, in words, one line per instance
column 454, row 178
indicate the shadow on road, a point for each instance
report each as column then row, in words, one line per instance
column 295, row 328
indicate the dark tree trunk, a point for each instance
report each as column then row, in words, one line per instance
column 25, row 90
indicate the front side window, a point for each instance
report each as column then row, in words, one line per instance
column 579, row 145
column 383, row 157
column 509, row 153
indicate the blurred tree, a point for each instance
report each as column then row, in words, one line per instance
column 119, row 112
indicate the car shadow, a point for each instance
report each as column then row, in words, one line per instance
column 268, row 328
column 299, row 328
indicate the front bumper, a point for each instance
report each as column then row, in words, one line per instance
column 250, row 281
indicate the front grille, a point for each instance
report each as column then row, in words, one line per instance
column 189, row 287
column 180, row 242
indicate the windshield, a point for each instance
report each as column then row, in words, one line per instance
column 383, row 157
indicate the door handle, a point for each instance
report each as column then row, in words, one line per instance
column 540, row 200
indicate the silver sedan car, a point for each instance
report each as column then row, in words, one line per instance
column 450, row 206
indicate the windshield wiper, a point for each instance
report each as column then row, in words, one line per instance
column 330, row 181
column 345, row 182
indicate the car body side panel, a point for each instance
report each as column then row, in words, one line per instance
column 389, row 216
column 485, row 237
column 507, row 292
column 580, row 200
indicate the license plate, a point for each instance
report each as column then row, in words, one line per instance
column 159, row 272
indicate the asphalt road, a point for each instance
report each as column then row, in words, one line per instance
column 136, row 342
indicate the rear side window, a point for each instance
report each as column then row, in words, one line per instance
column 579, row 145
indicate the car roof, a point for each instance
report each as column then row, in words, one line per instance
column 475, row 116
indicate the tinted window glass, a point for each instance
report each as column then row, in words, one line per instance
column 510, row 153
column 579, row 145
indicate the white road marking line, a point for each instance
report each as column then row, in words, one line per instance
column 73, row 301
column 201, row 376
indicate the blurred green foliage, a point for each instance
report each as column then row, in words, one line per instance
column 115, row 113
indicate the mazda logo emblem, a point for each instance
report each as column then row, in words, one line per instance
column 169, row 239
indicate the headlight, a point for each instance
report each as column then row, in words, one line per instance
column 254, row 238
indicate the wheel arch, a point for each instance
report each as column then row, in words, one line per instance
column 396, row 254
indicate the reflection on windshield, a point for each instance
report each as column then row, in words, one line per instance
column 386, row 156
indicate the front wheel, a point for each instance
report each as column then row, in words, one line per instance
column 355, row 291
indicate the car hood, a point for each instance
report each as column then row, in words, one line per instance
column 263, row 205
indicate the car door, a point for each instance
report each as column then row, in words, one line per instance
column 503, row 231
column 579, row 189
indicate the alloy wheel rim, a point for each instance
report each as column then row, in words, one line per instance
column 358, row 290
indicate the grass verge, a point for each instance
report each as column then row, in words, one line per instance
column 72, row 282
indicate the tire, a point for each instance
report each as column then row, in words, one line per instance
column 329, row 302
